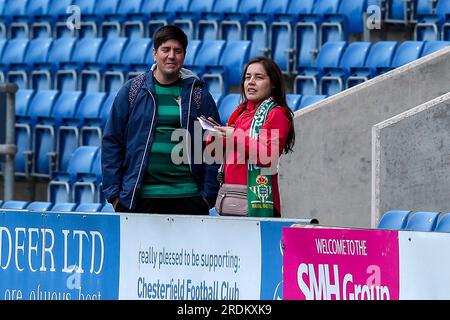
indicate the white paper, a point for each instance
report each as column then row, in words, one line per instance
column 205, row 125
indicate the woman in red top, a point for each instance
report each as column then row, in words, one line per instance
column 259, row 141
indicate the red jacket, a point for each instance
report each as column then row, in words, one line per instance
column 236, row 172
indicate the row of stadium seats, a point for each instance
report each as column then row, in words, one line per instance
column 417, row 221
column 59, row 206
column 341, row 65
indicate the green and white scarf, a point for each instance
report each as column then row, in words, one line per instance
column 259, row 186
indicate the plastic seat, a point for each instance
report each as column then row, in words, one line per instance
column 433, row 46
column 434, row 26
column 293, row 101
column 397, row 11
column 14, row 54
column 112, row 24
column 187, row 20
column 14, row 204
column 12, row 9
column 422, row 221
column 134, row 26
column 23, row 132
column 108, row 208
column 166, row 16
column 64, row 206
column 45, row 24
column 86, row 51
column 208, row 27
column 228, row 71
column 60, row 187
column 208, row 54
column 306, row 82
column 407, row 52
column 39, row 206
column 110, row 53
column 394, row 220
column 228, row 104
column 92, row 18
column 443, row 224
column 233, row 23
column 334, row 79
column 87, row 187
column 308, row 100
column 89, row 207
column 379, row 59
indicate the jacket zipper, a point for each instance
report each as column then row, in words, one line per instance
column 187, row 126
column 145, row 151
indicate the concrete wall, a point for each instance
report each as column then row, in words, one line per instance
column 328, row 176
column 411, row 160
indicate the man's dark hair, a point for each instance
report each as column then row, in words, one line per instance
column 169, row 32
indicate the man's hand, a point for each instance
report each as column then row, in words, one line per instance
column 207, row 203
column 115, row 202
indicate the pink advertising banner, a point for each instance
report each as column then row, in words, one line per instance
column 340, row 264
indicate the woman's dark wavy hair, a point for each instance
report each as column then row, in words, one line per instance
column 278, row 93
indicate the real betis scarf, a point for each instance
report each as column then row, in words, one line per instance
column 259, row 186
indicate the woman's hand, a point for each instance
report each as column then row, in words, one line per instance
column 224, row 131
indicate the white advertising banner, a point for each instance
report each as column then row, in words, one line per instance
column 179, row 258
column 424, row 265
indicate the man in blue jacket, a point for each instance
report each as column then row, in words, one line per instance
column 138, row 172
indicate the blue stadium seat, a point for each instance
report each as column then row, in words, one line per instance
column 70, row 136
column 407, row 52
column 422, row 221
column 208, row 54
column 21, row 26
column 213, row 212
column 112, row 25
column 308, row 100
column 228, row 104
column 293, row 101
column 60, row 187
column 89, row 207
column 394, row 220
column 92, row 18
column 86, row 51
column 167, row 16
column 134, row 57
column 23, row 133
column 14, row 204
column 433, row 46
column 108, row 208
column 191, row 51
column 134, row 26
column 1, row 202
column 228, row 71
column 208, row 27
column 41, row 123
column 37, row 52
column 64, row 206
column 434, row 26
column 334, row 79
column 349, row 19
column 307, row 79
column 188, row 20
column 233, row 23
column 397, row 11
column 10, row 9
column 379, row 59
column 14, row 15
column 87, row 187
column 45, row 24
column 39, row 206
column 106, row 108
column 42, row 77
column 110, row 54
column 443, row 224
column 421, row 8
column 258, row 24
column 306, row 38
column 13, row 54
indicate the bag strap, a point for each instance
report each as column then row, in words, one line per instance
column 136, row 85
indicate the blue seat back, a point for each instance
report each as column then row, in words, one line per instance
column 129, row 7
column 381, row 55
column 433, row 46
column 14, row 51
column 64, row 206
column 104, row 7
column 197, row 6
column 394, row 220
column 250, row 6
column 228, row 104
column 15, row 8
column 191, row 51
column 310, row 99
column 107, row 208
column 38, row 50
column 39, row 206
column 442, row 8
column 86, row 7
column 177, row 6
column 61, row 50
column 273, row 7
column 136, row 50
column 209, row 53
column 111, row 51
column 322, row 7
column 152, row 6
column 234, row 57
column 41, row 105
column 23, row 98
column 408, row 51
column 226, row 6
column 330, row 55
column 89, row 207
column 82, row 160
column 353, row 10
column 86, row 50
column 301, row 7
column 58, row 7
column 106, row 107
column 90, row 105
column 66, row 105
column 37, row 7
column 293, row 101
column 355, row 55
column 443, row 224
column 422, row 221
column 14, row 204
